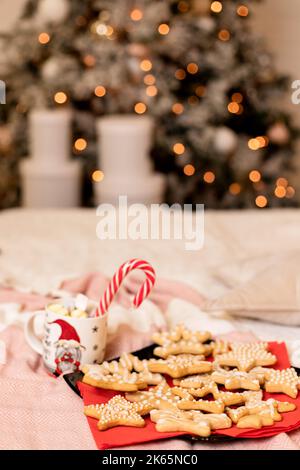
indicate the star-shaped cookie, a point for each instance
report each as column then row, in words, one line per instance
column 180, row 366
column 181, row 332
column 116, row 412
column 264, row 413
column 282, row 381
column 159, row 397
column 182, row 341
column 246, row 356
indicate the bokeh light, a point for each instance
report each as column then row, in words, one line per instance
column 80, row 144
column 163, row 29
column 44, row 38
column 209, row 177
column 100, row 91
column 140, row 108
column 216, row 7
column 97, row 176
column 178, row 148
column 60, row 97
column 189, row 170
column 261, row 201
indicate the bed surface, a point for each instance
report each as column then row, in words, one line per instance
column 40, row 248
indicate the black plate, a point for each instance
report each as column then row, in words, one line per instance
column 74, row 377
column 145, row 353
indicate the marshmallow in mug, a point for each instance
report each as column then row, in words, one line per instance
column 75, row 308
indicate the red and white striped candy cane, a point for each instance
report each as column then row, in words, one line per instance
column 117, row 280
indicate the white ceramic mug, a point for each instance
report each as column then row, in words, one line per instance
column 68, row 342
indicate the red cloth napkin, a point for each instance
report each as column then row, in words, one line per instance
column 125, row 435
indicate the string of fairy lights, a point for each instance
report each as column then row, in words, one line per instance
column 235, row 106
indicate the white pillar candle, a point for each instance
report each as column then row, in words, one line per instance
column 50, row 178
column 50, row 136
column 124, row 145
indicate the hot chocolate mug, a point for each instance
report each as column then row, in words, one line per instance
column 68, row 341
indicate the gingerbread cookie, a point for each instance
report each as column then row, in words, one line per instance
column 282, row 381
column 216, row 421
column 168, row 336
column 183, row 347
column 179, row 421
column 116, row 412
column 182, row 341
column 210, row 406
column 245, row 356
column 126, row 382
column 233, row 380
column 194, row 381
column 181, row 332
column 159, row 397
column 220, row 347
column 269, row 409
column 255, row 421
column 180, row 366
column 228, row 398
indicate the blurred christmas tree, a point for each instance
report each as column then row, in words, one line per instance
column 193, row 64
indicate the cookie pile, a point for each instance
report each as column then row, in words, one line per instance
column 207, row 395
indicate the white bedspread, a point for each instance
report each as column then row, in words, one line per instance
column 39, row 248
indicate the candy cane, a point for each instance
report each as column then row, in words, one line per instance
column 117, row 280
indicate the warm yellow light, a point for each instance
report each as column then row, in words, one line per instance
column 200, row 90
column 163, row 29
column 183, row 7
column 140, row 108
column 101, row 29
column 209, row 177
column 151, row 90
column 177, row 108
column 189, row 170
column 146, row 65
column 254, row 176
column 280, row 192
column 89, row 60
column 109, row 30
column 216, row 7
column 97, row 176
column 149, row 79
column 100, row 91
column 253, row 144
column 242, row 10
column 261, row 201
column 180, row 74
column 224, row 35
column 192, row 68
column 262, row 140
column 290, row 192
column 237, row 97
column 60, row 97
column 136, row 14
column 235, row 189
column 282, row 182
column 233, row 107
column 178, row 148
column 44, row 38
column 80, row 144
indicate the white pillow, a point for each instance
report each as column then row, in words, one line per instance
column 272, row 294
